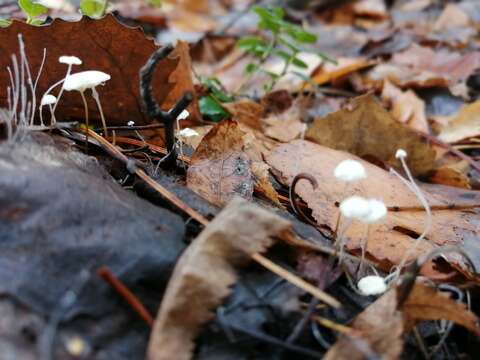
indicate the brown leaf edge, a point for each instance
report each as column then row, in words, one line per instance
column 205, row 273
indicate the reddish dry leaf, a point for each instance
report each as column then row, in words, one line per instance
column 104, row 45
column 205, row 273
column 392, row 238
column 452, row 16
column 425, row 303
column 406, row 107
column 366, row 129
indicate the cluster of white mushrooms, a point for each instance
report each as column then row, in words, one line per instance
column 370, row 211
column 81, row 82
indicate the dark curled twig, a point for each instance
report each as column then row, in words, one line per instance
column 412, row 271
column 293, row 199
column 153, row 109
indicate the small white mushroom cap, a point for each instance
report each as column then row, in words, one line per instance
column 187, row 132
column 401, row 154
column 69, row 60
column 372, row 285
column 48, row 100
column 84, row 80
column 378, row 211
column 350, row 170
column 183, row 115
column 355, row 207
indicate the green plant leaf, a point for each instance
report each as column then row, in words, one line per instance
column 155, row 3
column 251, row 68
column 210, row 108
column 301, row 35
column 5, row 22
column 93, row 8
column 31, row 9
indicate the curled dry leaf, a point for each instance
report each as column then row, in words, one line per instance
column 382, row 325
column 205, row 272
column 227, row 162
column 406, row 107
column 461, row 126
column 219, row 168
column 425, row 303
column 104, row 45
column 392, row 238
column 365, row 128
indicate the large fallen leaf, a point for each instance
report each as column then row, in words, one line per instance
column 365, row 128
column 390, row 240
column 219, row 168
column 104, row 45
column 204, row 274
column 382, row 324
column 463, row 125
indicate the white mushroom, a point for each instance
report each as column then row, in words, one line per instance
column 70, row 61
column 350, row 170
column 88, row 80
column 48, row 100
column 372, row 285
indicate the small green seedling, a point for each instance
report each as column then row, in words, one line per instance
column 283, row 40
column 93, row 8
column 211, row 104
column 33, row 11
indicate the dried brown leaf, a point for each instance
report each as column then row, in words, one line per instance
column 425, row 303
column 406, row 107
column 392, row 238
column 463, row 125
column 381, row 327
column 367, row 129
column 205, row 272
column 219, row 168
column 104, row 45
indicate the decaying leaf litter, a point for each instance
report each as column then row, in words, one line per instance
column 253, row 195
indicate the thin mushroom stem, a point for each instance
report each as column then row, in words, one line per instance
column 99, row 105
column 52, row 114
column 86, row 117
column 416, row 190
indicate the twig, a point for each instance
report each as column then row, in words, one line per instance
column 153, row 109
column 273, row 340
column 116, row 153
column 295, row 280
column 105, row 273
